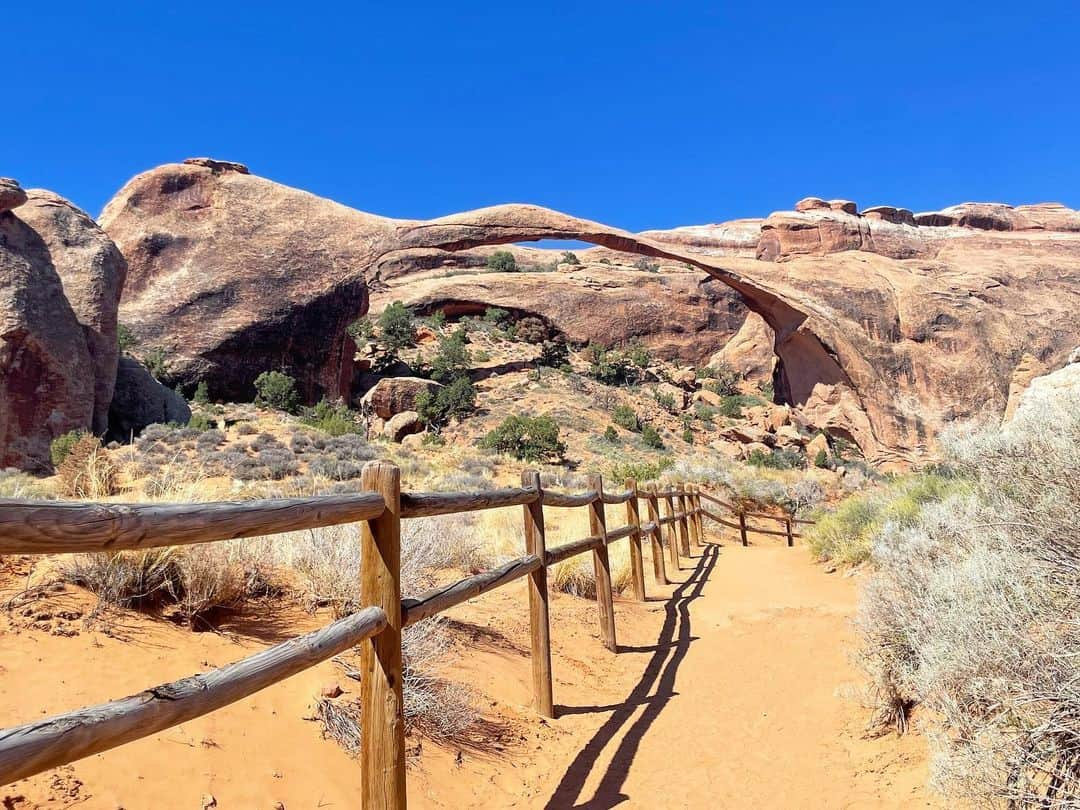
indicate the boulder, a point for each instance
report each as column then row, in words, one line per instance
column 393, row 395
column 846, row 206
column 755, row 447
column 92, row 272
column 46, row 373
column 776, row 417
column 11, row 194
column 707, row 397
column 789, row 436
column 1026, row 370
column 403, row 424
column 749, row 351
column 887, row 213
column 748, row 434
column 665, row 390
column 816, row 445
column 685, row 378
column 140, row 400
column 810, row 204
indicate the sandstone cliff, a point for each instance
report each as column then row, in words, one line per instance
column 886, row 324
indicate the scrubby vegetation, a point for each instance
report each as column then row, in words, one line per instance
column 528, row 438
column 277, row 390
column 502, row 261
column 972, row 610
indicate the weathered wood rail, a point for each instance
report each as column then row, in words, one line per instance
column 742, row 514
column 36, row 527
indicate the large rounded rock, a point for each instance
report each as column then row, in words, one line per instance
column 11, row 194
column 403, row 424
column 393, row 395
column 46, row 373
column 140, row 400
column 92, row 271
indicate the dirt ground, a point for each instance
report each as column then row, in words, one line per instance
column 728, row 691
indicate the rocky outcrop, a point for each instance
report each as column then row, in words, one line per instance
column 402, row 424
column 140, row 400
column 394, row 395
column 92, row 272
column 749, row 351
column 883, row 330
column 11, row 194
column 46, row 383
column 589, row 303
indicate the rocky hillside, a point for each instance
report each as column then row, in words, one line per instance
column 878, row 325
column 886, row 324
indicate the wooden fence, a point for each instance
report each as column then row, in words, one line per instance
column 741, row 514
column 36, row 527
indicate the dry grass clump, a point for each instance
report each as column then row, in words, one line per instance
column 15, row 484
column 88, row 471
column 973, row 613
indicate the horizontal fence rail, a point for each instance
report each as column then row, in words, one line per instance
column 674, row 520
column 43, row 744
column 57, row 527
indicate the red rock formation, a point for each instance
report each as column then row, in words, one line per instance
column 46, row 379
column 883, row 330
column 92, row 271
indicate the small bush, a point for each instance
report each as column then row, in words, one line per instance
column 641, row 470
column 554, row 353
column 61, row 446
column 157, row 363
column 531, row 329
column 666, row 401
column 778, row 459
column 454, row 401
column 611, row 435
column 397, row 327
column 688, row 436
column 528, row 438
column 125, row 338
column 200, row 422
column 452, row 360
column 569, row 257
column 721, row 379
column 649, row 267
column 495, row 316
column 362, row 330
column 277, row 390
column 87, row 471
column 821, row 459
column 502, row 261
column 202, row 393
column 625, row 417
column 333, row 418
column 611, row 367
column 651, row 437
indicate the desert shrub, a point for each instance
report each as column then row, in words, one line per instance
column 844, row 534
column 641, row 470
column 278, row 461
column 334, row 418
column 972, row 613
column 611, row 367
column 528, row 438
column 651, row 437
column 16, row 484
column 397, row 327
column 777, row 459
column 688, row 436
column 482, row 356
column 625, row 417
column 502, row 261
column 362, row 330
column 157, row 363
column 452, row 360
column 245, row 429
column 721, row 379
column 611, row 435
column 568, row 257
column 210, row 438
column 87, row 471
column 554, row 353
column 202, row 393
column 496, row 316
column 330, row 466
column 61, row 446
column 277, row 390
column 821, row 459
column 123, row 578
column 531, row 329
column 647, row 266
column 125, row 338
column 199, row 422
column 454, row 401
column 666, row 401
column 731, row 406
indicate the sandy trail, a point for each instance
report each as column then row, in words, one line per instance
column 726, row 692
column 739, row 703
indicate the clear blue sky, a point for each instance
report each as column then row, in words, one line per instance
column 637, row 114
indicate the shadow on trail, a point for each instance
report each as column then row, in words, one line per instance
column 668, row 653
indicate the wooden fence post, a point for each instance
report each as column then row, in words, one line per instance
column 742, row 527
column 684, row 532
column 382, row 720
column 633, row 518
column 653, row 507
column 601, row 564
column 669, row 531
column 539, row 623
column 697, row 515
column 691, row 496
column 787, row 525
